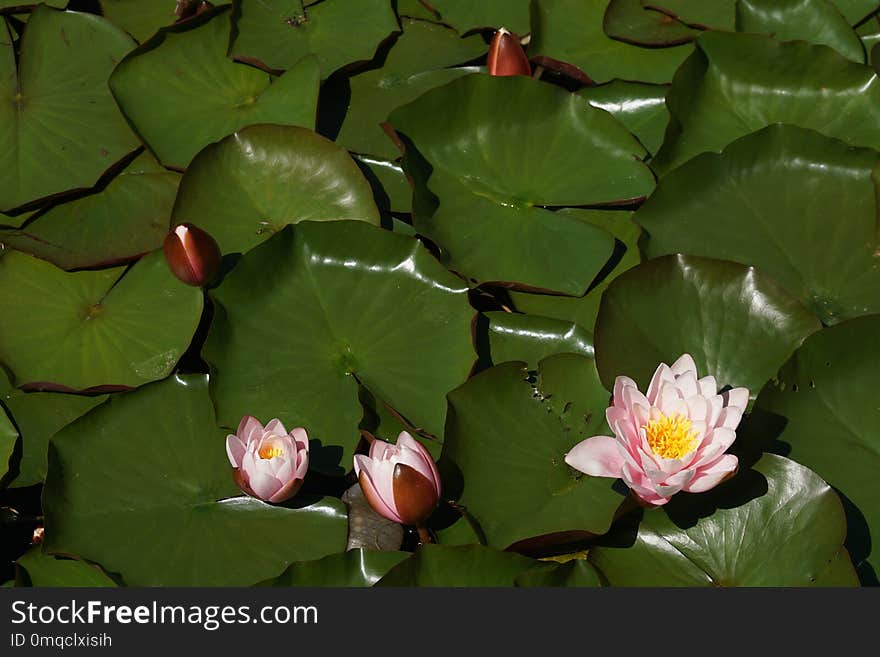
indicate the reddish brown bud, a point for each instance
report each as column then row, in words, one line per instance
column 414, row 495
column 506, row 56
column 192, row 255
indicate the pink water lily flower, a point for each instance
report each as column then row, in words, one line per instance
column 269, row 462
column 401, row 481
column 672, row 439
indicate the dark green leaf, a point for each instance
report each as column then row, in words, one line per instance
column 531, row 338
column 574, row 573
column 457, row 565
column 44, row 571
column 704, row 14
column 639, row 107
column 630, row 22
column 358, row 567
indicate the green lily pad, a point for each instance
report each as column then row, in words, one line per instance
column 571, row 31
column 856, row 11
column 492, row 173
column 416, row 9
column 735, row 84
column 357, row 567
column 6, row 4
column 140, row 19
column 641, row 108
column 795, row 204
column 8, row 439
column 126, row 219
column 630, row 22
column 181, row 92
column 458, row 566
column 279, row 33
column 171, row 518
column 583, row 310
column 56, row 107
column 574, row 573
column 532, row 338
column 44, row 570
column 418, row 62
column 339, row 302
column 39, row 415
column 815, row 21
column 776, row 525
column 105, row 328
column 255, row 182
column 737, row 323
column 703, row 14
column 869, row 33
column 391, row 189
column 466, row 15
column 507, row 437
column 826, row 398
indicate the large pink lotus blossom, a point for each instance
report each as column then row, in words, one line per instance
column 672, row 439
column 401, row 481
column 269, row 462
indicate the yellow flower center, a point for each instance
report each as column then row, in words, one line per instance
column 671, row 436
column 270, row 449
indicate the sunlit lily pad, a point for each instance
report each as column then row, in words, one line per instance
column 571, row 31
column 252, row 184
column 181, row 92
column 174, row 517
column 279, row 33
column 44, row 570
column 507, row 437
column 482, row 176
column 531, row 338
column 104, row 328
column 776, row 525
column 322, row 306
column 458, row 565
column 59, row 127
column 418, row 61
column 358, row 567
column 824, row 402
column 39, row 415
column 640, row 107
column 735, row 84
column 815, row 21
column 737, row 323
column 797, row 205
column 126, row 219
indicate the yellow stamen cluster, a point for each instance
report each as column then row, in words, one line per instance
column 268, row 451
column 671, row 436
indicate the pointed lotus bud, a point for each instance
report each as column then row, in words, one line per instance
column 192, row 255
column 506, row 56
column 401, row 481
column 268, row 462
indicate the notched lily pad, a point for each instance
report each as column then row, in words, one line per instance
column 630, row 22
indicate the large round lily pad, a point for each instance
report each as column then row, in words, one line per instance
column 38, row 416
column 419, row 61
column 250, row 185
column 776, row 525
column 735, row 84
column 571, row 31
column 321, row 306
column 815, row 21
column 59, row 127
column 797, row 205
column 824, row 399
column 126, row 219
column 173, row 517
column 458, row 565
column 507, row 436
column 737, row 323
column 181, row 92
column 105, row 328
column 279, row 33
column 482, row 177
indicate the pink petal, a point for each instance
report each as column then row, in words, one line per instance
column 708, row 386
column 687, row 385
column 275, row 426
column 248, row 425
column 235, row 450
column 381, row 450
column 428, row 468
column 620, row 383
column 698, row 408
column 708, row 478
column 371, row 492
column 263, row 484
column 674, row 484
column 719, row 441
column 301, row 438
column 685, row 363
column 729, row 417
column 598, row 456
column 661, row 375
column 737, row 398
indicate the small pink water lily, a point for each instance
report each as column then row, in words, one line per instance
column 401, row 481
column 269, row 462
column 672, row 439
